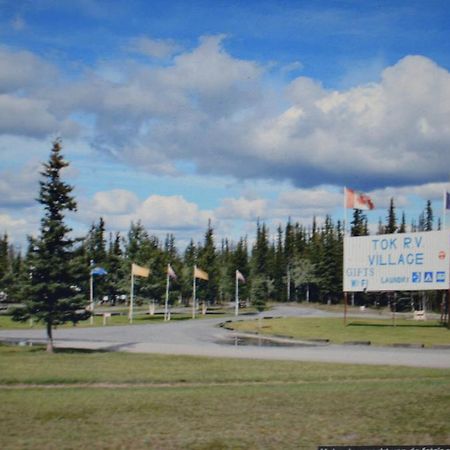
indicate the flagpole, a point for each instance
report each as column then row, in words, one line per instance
column 166, row 306
column 91, row 290
column 444, row 208
column 193, row 294
column 236, row 308
column 345, row 235
column 345, row 211
column 130, row 314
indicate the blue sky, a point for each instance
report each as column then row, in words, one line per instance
column 177, row 112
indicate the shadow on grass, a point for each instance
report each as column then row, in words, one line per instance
column 42, row 348
column 76, row 351
column 396, row 325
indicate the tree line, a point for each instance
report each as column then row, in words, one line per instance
column 297, row 263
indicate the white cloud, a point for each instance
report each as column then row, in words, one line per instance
column 7, row 222
column 21, row 70
column 117, row 201
column 403, row 196
column 18, row 229
column 307, row 198
column 162, row 213
column 155, row 48
column 224, row 116
column 19, row 188
column 171, row 212
column 242, row 209
column 22, row 116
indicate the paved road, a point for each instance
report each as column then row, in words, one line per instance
column 204, row 337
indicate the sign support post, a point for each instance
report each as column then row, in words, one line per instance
column 166, row 303
column 345, row 308
column 194, row 294
column 448, row 309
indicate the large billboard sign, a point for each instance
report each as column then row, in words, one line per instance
column 397, row 262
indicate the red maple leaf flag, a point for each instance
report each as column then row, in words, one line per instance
column 358, row 200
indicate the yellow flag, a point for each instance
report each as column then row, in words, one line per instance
column 198, row 273
column 139, row 271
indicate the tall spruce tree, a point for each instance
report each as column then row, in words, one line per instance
column 391, row 225
column 4, row 264
column 429, row 217
column 359, row 223
column 261, row 284
column 51, row 294
column 208, row 261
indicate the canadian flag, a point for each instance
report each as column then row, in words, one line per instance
column 357, row 200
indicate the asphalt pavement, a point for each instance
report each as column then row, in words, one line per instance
column 205, row 337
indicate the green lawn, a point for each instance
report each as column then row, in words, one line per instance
column 377, row 331
column 140, row 317
column 75, row 400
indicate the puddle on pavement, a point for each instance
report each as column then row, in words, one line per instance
column 239, row 341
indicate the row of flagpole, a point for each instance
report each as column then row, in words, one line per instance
column 139, row 271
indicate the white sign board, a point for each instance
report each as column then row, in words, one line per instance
column 397, row 262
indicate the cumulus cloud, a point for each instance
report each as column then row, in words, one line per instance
column 7, row 222
column 223, row 115
column 307, row 202
column 117, row 201
column 23, row 70
column 242, row 209
column 19, row 188
column 171, row 212
column 18, row 228
column 404, row 195
column 22, row 116
column 120, row 207
column 26, row 108
column 210, row 108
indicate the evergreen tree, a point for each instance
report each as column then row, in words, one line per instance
column 4, row 264
column 240, row 262
column 261, row 284
column 170, row 248
column 117, row 270
column 207, row 261
column 422, row 222
column 315, row 251
column 391, row 225
column 95, row 254
column 428, row 226
column 402, row 228
column 279, row 267
column 16, row 276
column 97, row 243
column 327, row 264
column 187, row 273
column 136, row 238
column 51, row 293
column 359, row 223
column 226, row 273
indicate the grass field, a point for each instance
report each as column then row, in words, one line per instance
column 120, row 317
column 81, row 399
column 377, row 331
